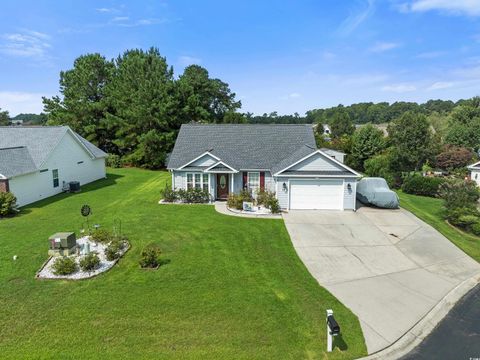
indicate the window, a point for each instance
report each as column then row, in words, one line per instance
column 189, row 181
column 55, row 178
column 205, row 182
column 198, row 181
column 253, row 181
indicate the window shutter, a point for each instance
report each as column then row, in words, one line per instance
column 245, row 180
column 262, row 180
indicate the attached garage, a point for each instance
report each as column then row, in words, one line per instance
column 316, row 194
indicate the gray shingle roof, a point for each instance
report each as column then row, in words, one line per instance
column 239, row 145
column 16, row 161
column 38, row 142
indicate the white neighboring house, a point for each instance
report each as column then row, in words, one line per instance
column 475, row 172
column 35, row 162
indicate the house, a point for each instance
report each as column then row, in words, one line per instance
column 284, row 159
column 16, row 122
column 35, row 162
column 475, row 172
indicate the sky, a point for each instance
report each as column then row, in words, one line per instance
column 286, row 56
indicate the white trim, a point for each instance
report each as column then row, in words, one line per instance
column 473, row 166
column 199, row 157
column 3, row 177
column 318, row 177
column 223, row 171
column 342, row 207
column 323, row 154
column 193, row 180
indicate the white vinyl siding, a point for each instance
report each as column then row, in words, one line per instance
column 65, row 157
column 316, row 162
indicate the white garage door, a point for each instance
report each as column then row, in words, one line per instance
column 316, row 194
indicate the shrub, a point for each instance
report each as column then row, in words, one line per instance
column 90, row 262
column 193, row 196
column 459, row 194
column 262, row 197
column 463, row 216
column 114, row 161
column 169, row 194
column 379, row 166
column 476, row 228
column 112, row 252
column 273, row 205
column 422, row 185
column 102, row 236
column 8, row 204
column 64, row 266
column 150, row 256
column 235, row 201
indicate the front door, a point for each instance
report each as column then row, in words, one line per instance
column 222, row 186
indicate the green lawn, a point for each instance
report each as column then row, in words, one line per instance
column 430, row 210
column 234, row 287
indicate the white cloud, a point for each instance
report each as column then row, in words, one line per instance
column 399, row 88
column 356, row 18
column 107, row 10
column 21, row 102
column 439, row 85
column 186, row 60
column 430, row 55
column 120, row 18
column 294, row 95
column 26, row 43
column 454, row 7
column 384, row 46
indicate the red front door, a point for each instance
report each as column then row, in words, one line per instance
column 222, row 186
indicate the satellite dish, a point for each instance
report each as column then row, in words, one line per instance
column 85, row 210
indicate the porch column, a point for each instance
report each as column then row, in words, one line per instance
column 231, row 183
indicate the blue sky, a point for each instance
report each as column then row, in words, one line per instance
column 285, row 56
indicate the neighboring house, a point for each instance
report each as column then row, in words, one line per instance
column 35, row 162
column 284, row 159
column 475, row 172
column 16, row 122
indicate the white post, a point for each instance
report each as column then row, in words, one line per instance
column 329, row 333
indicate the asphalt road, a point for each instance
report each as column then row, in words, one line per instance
column 458, row 334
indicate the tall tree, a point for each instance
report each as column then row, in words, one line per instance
column 341, row 124
column 82, row 104
column 204, row 99
column 142, row 94
column 4, row 117
column 411, row 138
column 366, row 142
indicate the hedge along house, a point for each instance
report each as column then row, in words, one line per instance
column 36, row 161
column 284, row 159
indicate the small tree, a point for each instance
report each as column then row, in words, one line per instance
column 341, row 124
column 453, row 157
column 366, row 142
column 459, row 194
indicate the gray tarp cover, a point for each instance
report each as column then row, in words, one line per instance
column 375, row 191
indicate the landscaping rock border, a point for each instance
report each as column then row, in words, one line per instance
column 46, row 273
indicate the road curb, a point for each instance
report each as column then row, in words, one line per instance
column 415, row 335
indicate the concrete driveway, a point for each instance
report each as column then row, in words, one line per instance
column 387, row 266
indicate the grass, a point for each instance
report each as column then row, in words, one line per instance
column 431, row 211
column 234, row 288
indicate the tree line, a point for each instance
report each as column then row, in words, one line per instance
column 133, row 106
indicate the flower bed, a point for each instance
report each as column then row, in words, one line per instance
column 46, row 272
